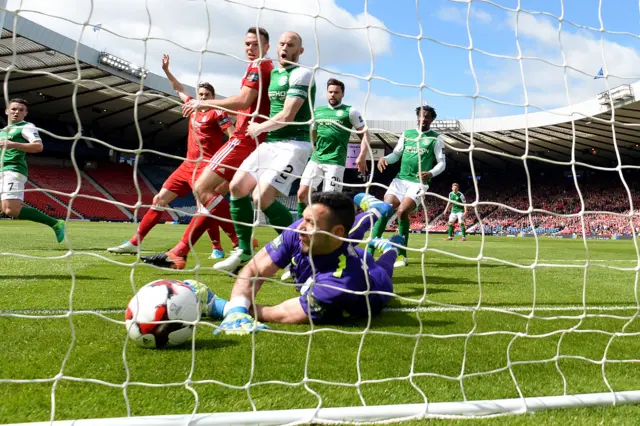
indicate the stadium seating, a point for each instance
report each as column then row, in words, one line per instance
column 46, row 204
column 607, row 201
column 117, row 180
column 64, row 179
column 157, row 176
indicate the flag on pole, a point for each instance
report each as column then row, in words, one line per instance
column 600, row 74
column 97, row 27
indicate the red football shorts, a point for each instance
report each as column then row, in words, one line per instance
column 230, row 156
column 181, row 181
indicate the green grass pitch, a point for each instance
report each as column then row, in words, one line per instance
column 505, row 347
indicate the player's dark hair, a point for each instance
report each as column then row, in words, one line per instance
column 429, row 108
column 209, row 87
column 335, row 82
column 341, row 207
column 19, row 101
column 259, row 30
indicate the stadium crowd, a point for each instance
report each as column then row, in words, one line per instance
column 503, row 208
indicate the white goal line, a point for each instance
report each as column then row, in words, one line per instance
column 487, row 308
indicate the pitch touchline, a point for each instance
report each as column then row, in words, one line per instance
column 404, row 309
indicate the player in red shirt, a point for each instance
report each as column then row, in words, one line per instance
column 206, row 132
column 253, row 97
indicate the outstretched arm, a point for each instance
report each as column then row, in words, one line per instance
column 252, row 276
column 288, row 312
column 177, row 86
column 239, row 102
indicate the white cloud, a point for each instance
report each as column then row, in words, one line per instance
column 458, row 15
column 482, row 16
column 484, row 110
column 545, row 83
column 334, row 40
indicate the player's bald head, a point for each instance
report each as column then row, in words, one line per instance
column 289, row 35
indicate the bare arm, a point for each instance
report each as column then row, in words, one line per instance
column 177, row 86
column 283, row 118
column 248, row 284
column 361, row 161
column 229, row 130
column 288, row 312
column 239, row 102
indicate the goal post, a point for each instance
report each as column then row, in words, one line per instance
column 496, row 327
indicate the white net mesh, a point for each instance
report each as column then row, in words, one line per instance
column 519, row 324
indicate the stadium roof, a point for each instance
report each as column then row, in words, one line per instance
column 589, row 128
column 44, row 67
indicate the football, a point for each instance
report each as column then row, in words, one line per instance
column 161, row 300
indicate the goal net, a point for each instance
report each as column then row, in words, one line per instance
column 535, row 309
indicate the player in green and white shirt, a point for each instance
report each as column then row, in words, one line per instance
column 17, row 140
column 284, row 154
column 421, row 156
column 331, row 134
column 458, row 211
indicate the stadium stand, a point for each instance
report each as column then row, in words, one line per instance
column 117, row 180
column 48, row 203
column 157, row 175
column 65, row 180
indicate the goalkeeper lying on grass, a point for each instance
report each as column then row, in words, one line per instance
column 339, row 275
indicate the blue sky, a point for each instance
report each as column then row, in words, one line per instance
column 178, row 26
column 447, row 69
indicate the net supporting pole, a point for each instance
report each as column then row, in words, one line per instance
column 369, row 414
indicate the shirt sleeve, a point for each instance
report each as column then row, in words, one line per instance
column 396, row 154
column 299, row 82
column 356, row 118
column 322, row 301
column 223, row 120
column 440, row 158
column 282, row 249
column 30, row 133
column 252, row 78
column 464, row 200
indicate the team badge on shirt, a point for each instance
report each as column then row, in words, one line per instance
column 283, row 80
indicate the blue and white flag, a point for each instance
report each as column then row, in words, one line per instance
column 97, row 27
column 600, row 74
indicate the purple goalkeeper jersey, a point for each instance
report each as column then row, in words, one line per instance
column 337, row 276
